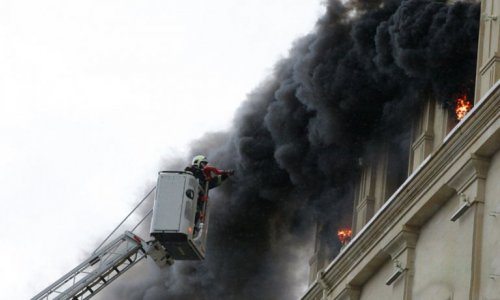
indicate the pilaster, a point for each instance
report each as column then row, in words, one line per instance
column 402, row 252
column 366, row 199
column 364, row 211
column 423, row 137
column 488, row 55
column 350, row 292
column 470, row 183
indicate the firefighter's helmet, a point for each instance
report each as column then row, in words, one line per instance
column 198, row 160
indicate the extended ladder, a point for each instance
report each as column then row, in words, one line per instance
column 99, row 270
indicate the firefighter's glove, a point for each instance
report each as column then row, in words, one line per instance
column 229, row 172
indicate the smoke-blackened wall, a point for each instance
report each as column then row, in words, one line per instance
column 349, row 87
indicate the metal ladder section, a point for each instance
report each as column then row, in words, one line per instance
column 98, row 271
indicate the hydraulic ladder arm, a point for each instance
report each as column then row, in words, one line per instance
column 104, row 266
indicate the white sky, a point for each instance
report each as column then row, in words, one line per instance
column 95, row 95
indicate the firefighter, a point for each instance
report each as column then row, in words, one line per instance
column 209, row 177
column 205, row 173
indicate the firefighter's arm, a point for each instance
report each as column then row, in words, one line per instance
column 210, row 171
column 218, row 179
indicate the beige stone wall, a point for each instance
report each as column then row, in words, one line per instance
column 490, row 264
column 443, row 256
column 377, row 289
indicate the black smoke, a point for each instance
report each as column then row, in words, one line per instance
column 348, row 89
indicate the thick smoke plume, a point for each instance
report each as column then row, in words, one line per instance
column 350, row 88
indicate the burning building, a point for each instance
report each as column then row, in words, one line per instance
column 358, row 128
column 431, row 231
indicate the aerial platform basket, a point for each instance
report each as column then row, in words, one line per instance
column 174, row 210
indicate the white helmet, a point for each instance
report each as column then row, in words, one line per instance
column 198, row 160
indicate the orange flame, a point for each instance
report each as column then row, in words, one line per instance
column 462, row 107
column 344, row 235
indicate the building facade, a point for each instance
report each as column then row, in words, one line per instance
column 437, row 235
